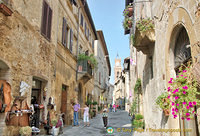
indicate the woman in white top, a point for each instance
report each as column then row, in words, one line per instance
column 86, row 115
column 105, row 116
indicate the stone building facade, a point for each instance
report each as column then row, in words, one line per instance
column 40, row 47
column 160, row 51
column 103, row 70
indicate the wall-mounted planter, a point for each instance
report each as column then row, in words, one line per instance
column 5, row 10
column 130, row 11
column 166, row 112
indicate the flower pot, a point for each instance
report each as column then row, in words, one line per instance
column 166, row 112
column 5, row 10
column 55, row 131
column 129, row 24
column 130, row 11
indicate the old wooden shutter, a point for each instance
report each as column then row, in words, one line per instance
column 71, row 40
column 44, row 18
column 64, row 32
column 49, row 23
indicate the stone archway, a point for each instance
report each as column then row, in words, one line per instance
column 179, row 53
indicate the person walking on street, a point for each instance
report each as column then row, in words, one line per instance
column 76, row 108
column 114, row 107
column 105, row 116
column 110, row 107
column 86, row 115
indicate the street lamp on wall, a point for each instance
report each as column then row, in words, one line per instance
column 125, row 66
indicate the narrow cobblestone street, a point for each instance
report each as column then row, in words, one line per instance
column 116, row 120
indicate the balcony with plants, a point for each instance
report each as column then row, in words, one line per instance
column 86, row 64
column 144, row 37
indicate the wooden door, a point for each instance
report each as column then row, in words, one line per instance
column 64, row 103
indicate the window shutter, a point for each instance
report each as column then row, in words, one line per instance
column 44, row 18
column 49, row 23
column 71, row 40
column 64, row 33
column 93, row 44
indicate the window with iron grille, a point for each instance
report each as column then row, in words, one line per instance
column 46, row 20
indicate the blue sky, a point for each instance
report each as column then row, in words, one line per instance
column 108, row 16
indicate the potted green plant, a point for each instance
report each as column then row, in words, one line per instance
column 55, row 130
column 91, row 59
column 164, row 103
column 138, row 121
column 127, row 23
column 25, row 131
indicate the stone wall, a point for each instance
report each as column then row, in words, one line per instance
column 167, row 14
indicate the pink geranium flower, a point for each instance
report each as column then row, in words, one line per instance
column 177, row 104
column 194, row 103
column 185, row 87
column 185, row 77
column 187, row 107
column 176, row 97
column 177, row 76
column 182, row 118
column 174, row 92
column 173, row 113
column 170, row 82
column 187, row 114
column 191, row 106
column 184, row 92
column 168, row 97
column 181, row 75
column 190, row 103
column 184, row 71
column 175, row 116
column 173, row 103
column 176, row 110
column 184, row 103
column 188, row 118
column 172, row 109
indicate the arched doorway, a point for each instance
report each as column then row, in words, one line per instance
column 180, row 53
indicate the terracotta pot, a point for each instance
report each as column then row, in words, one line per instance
column 166, row 112
column 129, row 24
column 130, row 13
column 5, row 10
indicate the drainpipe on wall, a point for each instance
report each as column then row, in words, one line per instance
column 77, row 50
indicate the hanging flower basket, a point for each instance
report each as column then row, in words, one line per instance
column 163, row 103
column 128, row 12
column 127, row 23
